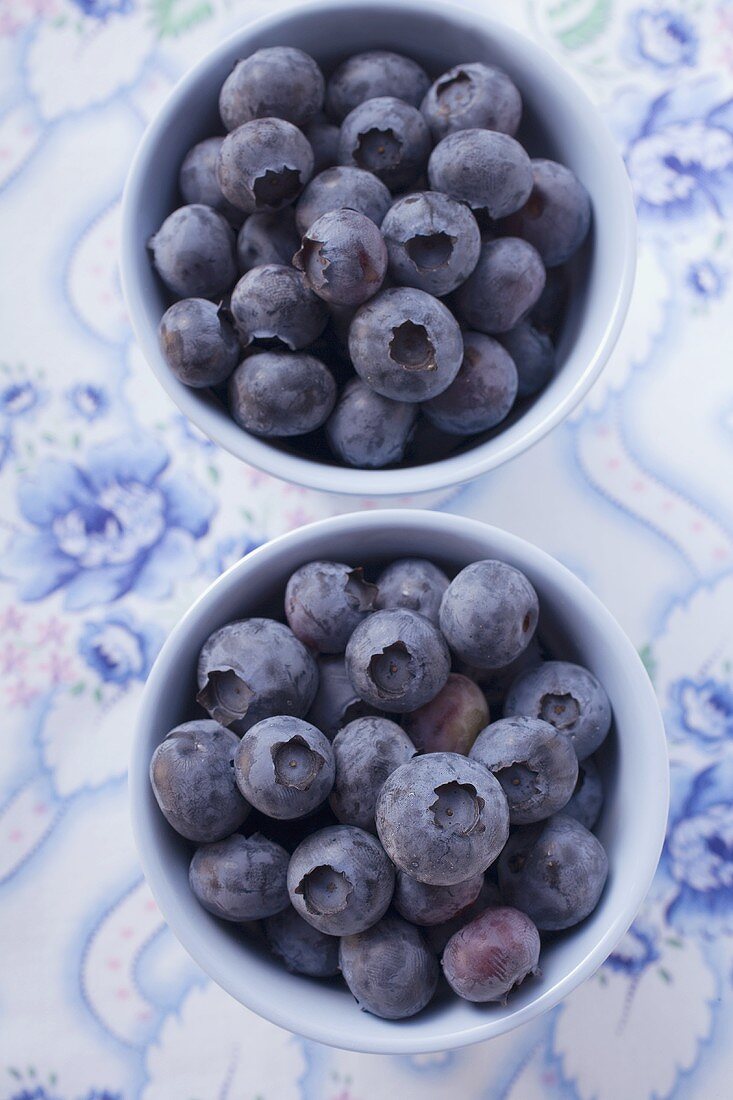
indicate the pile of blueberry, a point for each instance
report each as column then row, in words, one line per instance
column 370, row 264
column 350, row 791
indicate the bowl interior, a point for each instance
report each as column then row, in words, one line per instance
column 558, row 122
column 574, row 624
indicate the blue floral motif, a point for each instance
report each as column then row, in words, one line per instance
column 123, row 523
column 118, row 649
column 664, row 39
column 706, row 280
column 636, row 951
column 102, row 9
column 227, row 551
column 705, row 710
column 88, row 401
column 6, row 444
column 18, row 398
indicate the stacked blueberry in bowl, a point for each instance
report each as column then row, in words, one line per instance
column 397, row 783
column 369, row 268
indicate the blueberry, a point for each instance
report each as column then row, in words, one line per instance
column 567, row 696
column 405, row 344
column 533, row 355
column 264, row 165
column 505, row 284
column 274, row 302
column 324, row 603
column 198, row 180
column 442, row 818
column 472, row 96
column 284, row 767
column 252, row 669
column 341, row 187
column 549, row 310
column 451, row 721
column 556, row 216
column 492, row 955
column 495, row 682
column 367, row 750
column 193, row 782
column 340, row 880
column 432, row 905
column 367, row 430
column 587, row 799
column 483, row 168
column 324, row 141
column 414, row 583
column 489, row 614
column 277, row 394
column 437, row 935
column 433, row 242
column 198, row 343
column 193, row 252
column 388, row 137
column 535, row 764
column 279, row 82
column 397, row 660
column 336, row 702
column 240, row 878
column 554, row 872
column 389, row 969
column 267, row 238
column 343, row 257
column 289, row 832
column 302, row 948
column 482, row 393
column 371, row 75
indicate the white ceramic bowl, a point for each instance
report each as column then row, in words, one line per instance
column 560, row 122
column 634, row 763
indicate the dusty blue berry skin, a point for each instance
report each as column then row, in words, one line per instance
column 548, row 313
column 340, row 880
column 252, row 669
column 567, row 696
column 483, row 392
column 240, row 878
column 505, row 285
column 414, row 583
column 533, row 355
column 267, row 238
column 554, row 872
column 535, row 764
column 366, row 751
column 193, row 782
column 367, row 430
column 483, row 168
column 406, row 344
column 586, row 802
column 343, row 257
column 336, row 702
column 341, row 187
column 275, row 302
column 431, row 905
column 371, row 75
column 397, row 660
column 198, row 180
column 556, row 216
column 324, row 141
column 324, row 603
column 198, row 343
column 442, row 818
column 437, row 935
column 433, row 242
column 193, row 252
column 389, row 969
column 492, row 955
column 277, row 82
column 451, row 721
column 300, row 946
column 285, row 766
column 264, row 165
column 277, row 394
column 388, row 137
column 473, row 96
column 489, row 614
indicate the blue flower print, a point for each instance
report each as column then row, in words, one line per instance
column 124, row 522
column 705, row 710
column 18, row 398
column 102, row 9
column 227, row 551
column 88, row 401
column 664, row 39
column 119, row 650
column 706, row 280
column 636, row 951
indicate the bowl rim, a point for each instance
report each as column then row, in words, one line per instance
column 146, row 816
column 444, row 473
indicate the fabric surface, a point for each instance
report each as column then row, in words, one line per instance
column 114, row 514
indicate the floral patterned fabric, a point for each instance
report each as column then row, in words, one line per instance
column 115, row 514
